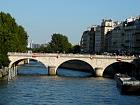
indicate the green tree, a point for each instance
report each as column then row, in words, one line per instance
column 42, row 49
column 59, row 43
column 76, row 49
column 13, row 37
column 4, row 61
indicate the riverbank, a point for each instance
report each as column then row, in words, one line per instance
column 3, row 73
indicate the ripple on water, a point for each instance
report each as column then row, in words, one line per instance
column 47, row 90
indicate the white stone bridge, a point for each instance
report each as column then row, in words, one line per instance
column 52, row 61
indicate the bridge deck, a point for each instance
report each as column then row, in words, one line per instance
column 70, row 55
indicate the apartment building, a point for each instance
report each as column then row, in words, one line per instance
column 88, row 41
column 98, row 39
column 113, row 37
column 106, row 26
column 131, row 36
column 125, row 37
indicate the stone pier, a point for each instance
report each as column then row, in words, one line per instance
column 12, row 72
column 99, row 72
column 51, row 70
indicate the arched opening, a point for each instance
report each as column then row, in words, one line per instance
column 119, row 67
column 30, row 67
column 136, row 62
column 75, row 68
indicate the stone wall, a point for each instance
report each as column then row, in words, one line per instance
column 3, row 73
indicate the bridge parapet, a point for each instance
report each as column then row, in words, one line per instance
column 71, row 55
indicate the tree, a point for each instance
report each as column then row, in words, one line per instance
column 59, row 43
column 13, row 37
column 4, row 61
column 76, row 49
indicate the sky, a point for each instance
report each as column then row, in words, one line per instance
column 42, row 18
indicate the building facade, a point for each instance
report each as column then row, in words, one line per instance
column 114, row 37
column 132, row 35
column 106, row 26
column 98, row 39
column 88, row 41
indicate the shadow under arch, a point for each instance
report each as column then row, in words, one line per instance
column 76, row 65
column 24, row 61
column 24, row 68
column 136, row 62
column 119, row 67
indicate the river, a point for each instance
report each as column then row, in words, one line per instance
column 69, row 88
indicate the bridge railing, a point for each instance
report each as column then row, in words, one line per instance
column 69, row 55
column 46, row 54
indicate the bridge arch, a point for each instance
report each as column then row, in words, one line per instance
column 52, row 60
column 118, row 67
column 17, row 61
column 78, row 64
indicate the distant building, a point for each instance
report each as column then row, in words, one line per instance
column 88, row 41
column 106, row 26
column 30, row 44
column 115, row 37
column 98, row 39
column 85, row 42
column 132, row 35
column 33, row 45
column 125, row 37
column 44, row 45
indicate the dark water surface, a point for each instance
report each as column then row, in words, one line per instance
column 73, row 89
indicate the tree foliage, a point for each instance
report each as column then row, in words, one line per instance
column 13, row 37
column 59, row 43
column 41, row 49
column 76, row 49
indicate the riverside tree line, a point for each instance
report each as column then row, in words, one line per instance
column 59, row 44
column 14, row 38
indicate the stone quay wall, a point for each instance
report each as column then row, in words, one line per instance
column 4, row 73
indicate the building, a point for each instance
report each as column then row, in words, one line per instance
column 84, row 42
column 106, row 26
column 98, row 39
column 32, row 45
column 94, row 40
column 88, row 41
column 114, row 37
column 132, row 35
column 125, row 37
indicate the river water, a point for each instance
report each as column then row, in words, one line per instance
column 69, row 88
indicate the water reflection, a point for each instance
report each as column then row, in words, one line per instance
column 72, row 73
column 58, row 90
column 36, row 68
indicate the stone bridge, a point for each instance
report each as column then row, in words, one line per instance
column 52, row 61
